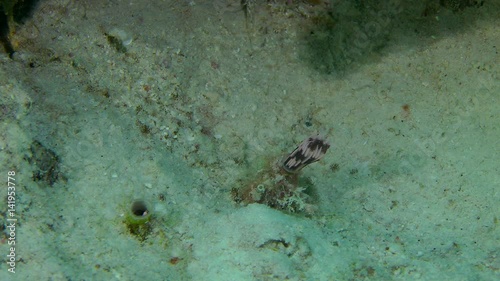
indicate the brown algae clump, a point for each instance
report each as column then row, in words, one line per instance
column 277, row 186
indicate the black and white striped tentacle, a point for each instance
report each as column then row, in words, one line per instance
column 309, row 151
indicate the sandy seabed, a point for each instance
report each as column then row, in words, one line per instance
column 178, row 103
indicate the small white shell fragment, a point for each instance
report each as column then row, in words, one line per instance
column 122, row 35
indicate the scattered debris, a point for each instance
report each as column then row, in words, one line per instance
column 46, row 164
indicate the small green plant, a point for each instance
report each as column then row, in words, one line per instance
column 277, row 186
